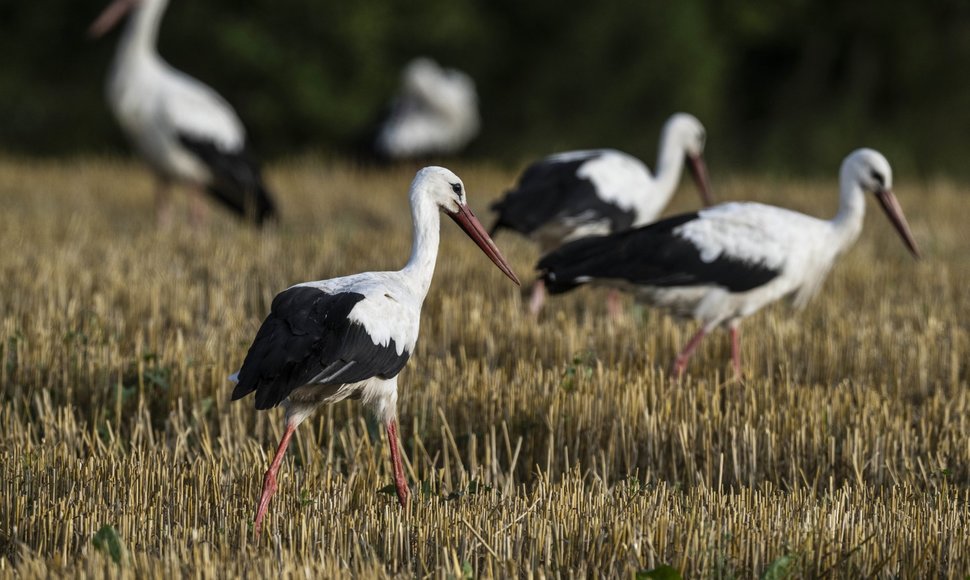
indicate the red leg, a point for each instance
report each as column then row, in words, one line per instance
column 269, row 482
column 197, row 207
column 400, row 481
column 680, row 363
column 613, row 303
column 736, row 351
column 163, row 205
column 538, row 297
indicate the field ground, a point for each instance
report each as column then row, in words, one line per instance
column 549, row 448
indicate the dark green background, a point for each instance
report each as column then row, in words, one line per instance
column 786, row 85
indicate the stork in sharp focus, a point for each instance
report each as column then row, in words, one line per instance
column 724, row 263
column 349, row 337
column 184, row 130
column 572, row 195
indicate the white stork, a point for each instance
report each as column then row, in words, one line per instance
column 349, row 337
column 436, row 113
column 724, row 263
column 185, row 131
column 572, row 195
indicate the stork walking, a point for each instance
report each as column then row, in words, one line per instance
column 349, row 337
column 723, row 264
column 184, row 130
column 572, row 195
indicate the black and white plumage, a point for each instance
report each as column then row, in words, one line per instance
column 724, row 263
column 657, row 255
column 435, row 113
column 572, row 195
column 569, row 196
column 310, row 339
column 184, row 130
column 349, row 337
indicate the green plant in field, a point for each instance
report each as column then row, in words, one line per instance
column 580, row 368
column 780, row 569
column 473, row 488
column 663, row 572
column 108, row 540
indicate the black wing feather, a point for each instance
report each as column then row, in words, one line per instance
column 653, row 255
column 307, row 338
column 550, row 190
column 237, row 180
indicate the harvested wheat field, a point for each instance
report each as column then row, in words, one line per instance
column 555, row 448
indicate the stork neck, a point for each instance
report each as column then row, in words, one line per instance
column 424, row 246
column 852, row 210
column 670, row 164
column 140, row 38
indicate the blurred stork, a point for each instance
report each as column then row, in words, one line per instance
column 436, row 113
column 723, row 264
column 184, row 130
column 572, row 195
column 349, row 337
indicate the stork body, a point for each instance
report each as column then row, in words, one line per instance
column 436, row 113
column 573, row 195
column 349, row 337
column 723, row 264
column 182, row 128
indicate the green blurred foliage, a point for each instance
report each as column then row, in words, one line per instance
column 790, row 85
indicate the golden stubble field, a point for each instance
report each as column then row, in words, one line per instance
column 555, row 448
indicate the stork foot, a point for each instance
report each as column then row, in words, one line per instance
column 400, row 480
column 163, row 206
column 269, row 482
column 679, row 367
column 269, row 488
column 736, row 353
column 538, row 298
column 614, row 304
column 198, row 213
column 680, row 363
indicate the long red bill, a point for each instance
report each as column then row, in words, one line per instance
column 895, row 213
column 467, row 221
column 699, row 170
column 110, row 17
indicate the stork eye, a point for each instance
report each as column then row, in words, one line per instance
column 878, row 177
column 456, row 187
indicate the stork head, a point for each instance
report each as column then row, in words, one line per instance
column 447, row 191
column 868, row 169
column 111, row 16
column 420, row 72
column 687, row 133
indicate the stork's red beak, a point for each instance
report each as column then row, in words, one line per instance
column 698, row 169
column 111, row 16
column 889, row 203
column 470, row 224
